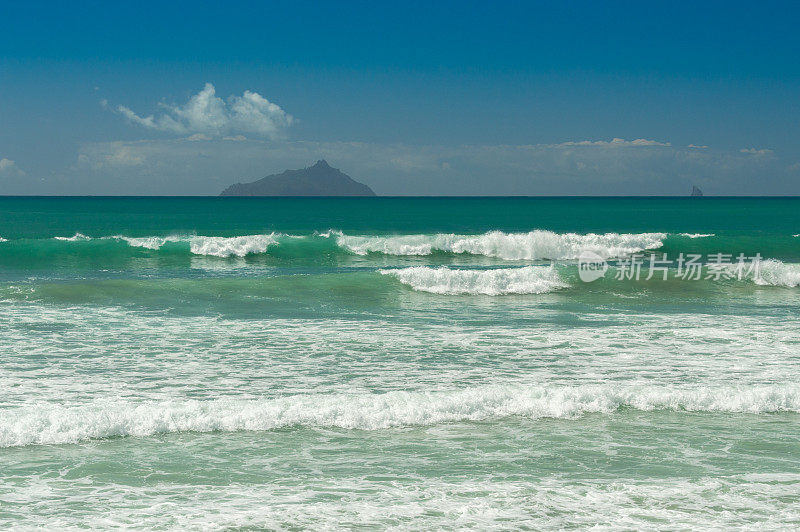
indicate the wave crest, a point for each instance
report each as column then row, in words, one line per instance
column 147, row 242
column 535, row 245
column 216, row 246
column 77, row 237
column 226, row 246
column 528, row 280
column 697, row 235
column 56, row 424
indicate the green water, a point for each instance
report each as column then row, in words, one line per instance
column 218, row 363
column 42, row 217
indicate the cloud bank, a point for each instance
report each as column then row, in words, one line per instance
column 615, row 143
column 616, row 167
column 754, row 151
column 209, row 116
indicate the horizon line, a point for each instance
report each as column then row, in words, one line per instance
column 554, row 196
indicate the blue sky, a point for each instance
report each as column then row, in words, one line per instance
column 411, row 98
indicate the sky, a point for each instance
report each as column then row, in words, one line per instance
column 411, row 98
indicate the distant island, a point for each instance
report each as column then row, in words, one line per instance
column 318, row 180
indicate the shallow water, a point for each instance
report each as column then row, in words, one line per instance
column 409, row 363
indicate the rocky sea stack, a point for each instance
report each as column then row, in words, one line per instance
column 318, row 180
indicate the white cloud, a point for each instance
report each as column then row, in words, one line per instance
column 615, row 142
column 124, row 156
column 753, row 151
column 207, row 114
column 695, row 146
column 9, row 168
column 114, row 154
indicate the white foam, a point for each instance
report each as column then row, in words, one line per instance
column 697, row 235
column 324, row 496
column 148, row 242
column 511, row 246
column 776, row 273
column 529, row 280
column 3, row 239
column 47, row 423
column 74, row 238
column 226, row 246
column 216, row 246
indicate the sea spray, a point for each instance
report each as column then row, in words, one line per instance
column 776, row 273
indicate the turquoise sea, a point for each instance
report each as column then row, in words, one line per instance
column 408, row 363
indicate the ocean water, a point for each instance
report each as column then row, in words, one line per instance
column 228, row 363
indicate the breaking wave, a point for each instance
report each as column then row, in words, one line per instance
column 776, row 273
column 534, row 245
column 56, row 424
column 529, row 280
column 225, row 247
column 216, row 246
